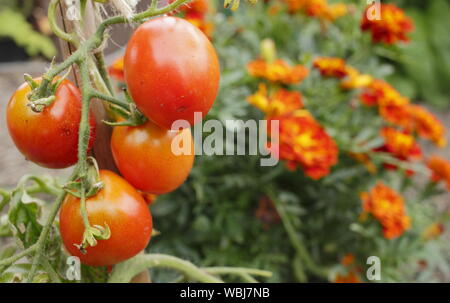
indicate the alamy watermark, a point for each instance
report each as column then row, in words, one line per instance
column 231, row 137
column 374, row 10
column 73, row 272
column 373, row 273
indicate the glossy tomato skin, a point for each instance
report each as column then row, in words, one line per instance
column 120, row 206
column 144, row 156
column 171, row 70
column 48, row 138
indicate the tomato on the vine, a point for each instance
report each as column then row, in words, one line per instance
column 171, row 70
column 48, row 138
column 145, row 157
column 119, row 206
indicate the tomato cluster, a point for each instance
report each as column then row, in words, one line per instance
column 171, row 72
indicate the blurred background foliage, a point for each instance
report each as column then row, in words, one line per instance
column 424, row 70
column 24, row 23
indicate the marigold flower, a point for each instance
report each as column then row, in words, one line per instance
column 393, row 25
column 331, row 67
column 415, row 118
column 387, row 206
column 277, row 71
column 303, row 142
column 355, row 79
column 317, row 8
column 433, row 231
column 115, row 70
column 400, row 144
column 427, row 125
column 350, row 277
column 382, row 94
column 440, row 169
column 202, row 24
column 348, row 259
column 199, row 7
column 278, row 103
column 335, row 11
column 195, row 12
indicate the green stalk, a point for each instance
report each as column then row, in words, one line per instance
column 125, row 271
column 295, row 241
column 11, row 260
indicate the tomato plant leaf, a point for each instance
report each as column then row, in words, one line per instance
column 23, row 217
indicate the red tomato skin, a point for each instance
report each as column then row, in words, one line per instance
column 48, row 138
column 120, row 206
column 171, row 70
column 144, row 157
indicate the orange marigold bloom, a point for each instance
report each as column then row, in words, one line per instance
column 355, row 79
column 277, row 71
column 303, row 142
column 393, row 25
column 348, row 259
column 382, row 94
column 278, row 103
column 195, row 12
column 400, row 144
column 331, row 67
column 195, row 7
column 350, row 277
column 115, row 70
column 427, row 125
column 317, row 8
column 415, row 118
column 387, row 206
column 335, row 11
column 205, row 26
column 440, row 169
column 433, row 231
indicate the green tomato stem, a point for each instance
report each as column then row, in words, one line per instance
column 238, row 271
column 101, row 67
column 54, row 26
column 40, row 243
column 125, row 271
column 11, row 260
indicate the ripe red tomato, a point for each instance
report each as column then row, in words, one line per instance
column 145, row 158
column 48, row 138
column 171, row 70
column 120, row 206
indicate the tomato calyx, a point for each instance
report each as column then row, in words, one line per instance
column 87, row 185
column 132, row 116
column 43, row 92
column 91, row 235
column 89, row 182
